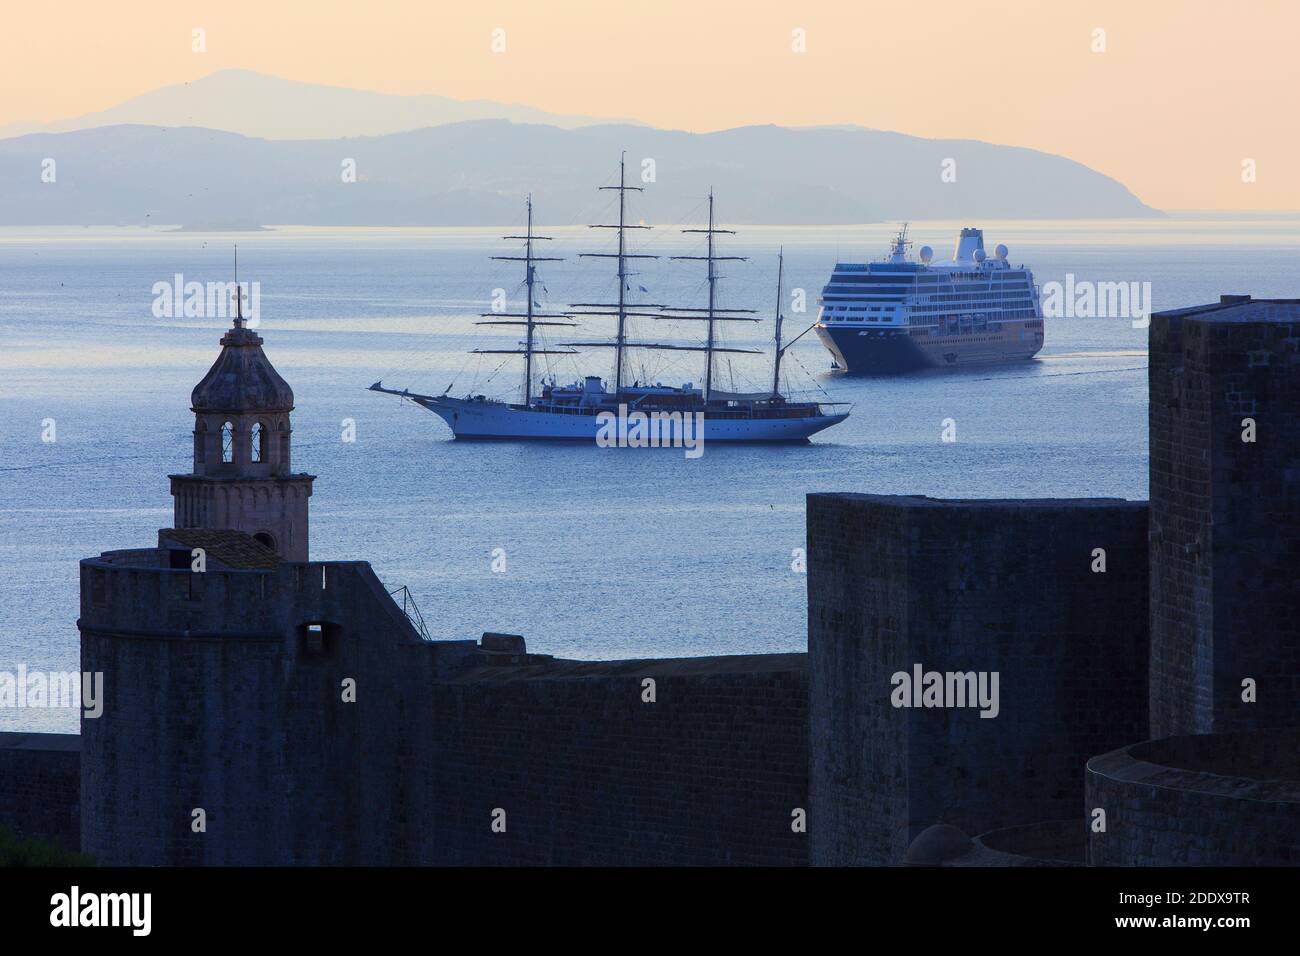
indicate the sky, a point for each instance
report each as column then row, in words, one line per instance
column 1192, row 104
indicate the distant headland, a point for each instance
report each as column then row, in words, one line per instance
column 183, row 155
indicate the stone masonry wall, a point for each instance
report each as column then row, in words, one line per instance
column 40, row 787
column 1208, row 800
column 1225, row 517
column 588, row 773
column 963, row 586
column 214, row 698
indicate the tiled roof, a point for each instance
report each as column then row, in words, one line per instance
column 235, row 549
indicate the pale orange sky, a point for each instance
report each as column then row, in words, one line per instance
column 1185, row 91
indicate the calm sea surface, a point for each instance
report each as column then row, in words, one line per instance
column 608, row 553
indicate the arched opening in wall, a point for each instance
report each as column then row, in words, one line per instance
column 265, row 538
column 227, row 443
column 257, row 442
column 318, row 639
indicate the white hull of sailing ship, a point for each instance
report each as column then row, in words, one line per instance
column 641, row 414
column 487, row 419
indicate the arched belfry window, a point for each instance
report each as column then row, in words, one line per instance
column 227, row 442
column 257, row 442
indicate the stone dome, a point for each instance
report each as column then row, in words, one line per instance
column 242, row 379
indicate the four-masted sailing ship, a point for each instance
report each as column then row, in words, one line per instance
column 577, row 411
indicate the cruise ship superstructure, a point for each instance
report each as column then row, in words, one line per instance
column 902, row 314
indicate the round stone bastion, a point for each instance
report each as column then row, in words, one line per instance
column 1051, row 843
column 1205, row 800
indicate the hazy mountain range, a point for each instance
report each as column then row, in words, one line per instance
column 271, row 107
column 477, row 171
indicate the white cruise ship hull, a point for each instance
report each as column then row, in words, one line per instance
column 879, row 351
column 491, row 420
column 900, row 315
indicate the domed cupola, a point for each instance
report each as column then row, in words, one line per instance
column 241, row 411
column 242, row 478
column 242, row 380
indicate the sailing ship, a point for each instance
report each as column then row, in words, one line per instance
column 579, row 411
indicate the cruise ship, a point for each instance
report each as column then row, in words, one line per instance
column 647, row 414
column 902, row 314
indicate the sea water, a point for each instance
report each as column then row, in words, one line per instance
column 588, row 552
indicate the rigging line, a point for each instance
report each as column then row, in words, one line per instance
column 601, row 205
column 417, row 350
column 493, row 373
column 693, row 215
column 421, row 349
column 653, row 240
column 813, row 378
column 598, row 206
column 424, row 349
column 477, row 361
column 421, row 357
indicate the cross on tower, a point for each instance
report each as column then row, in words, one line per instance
column 239, row 294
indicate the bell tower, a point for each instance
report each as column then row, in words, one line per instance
column 242, row 480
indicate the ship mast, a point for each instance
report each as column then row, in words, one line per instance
column 621, row 309
column 529, row 318
column 898, row 251
column 713, row 314
column 783, row 347
column 776, row 359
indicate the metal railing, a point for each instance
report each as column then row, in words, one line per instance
column 411, row 610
